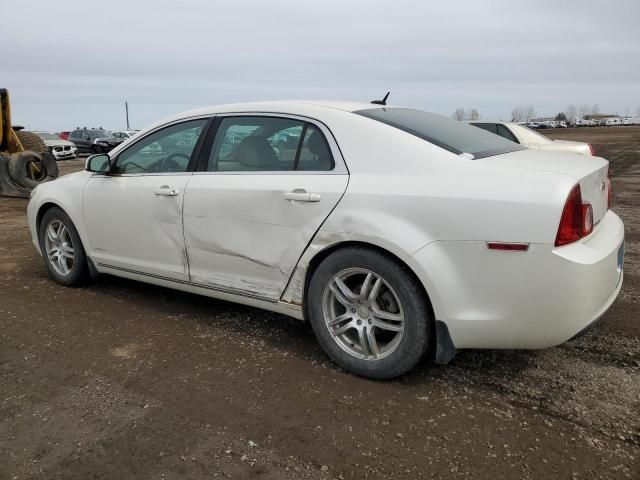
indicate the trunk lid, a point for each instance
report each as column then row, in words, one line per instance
column 590, row 172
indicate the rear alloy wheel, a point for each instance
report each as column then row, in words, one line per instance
column 369, row 313
column 62, row 250
column 363, row 314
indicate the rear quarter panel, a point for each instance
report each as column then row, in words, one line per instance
column 405, row 193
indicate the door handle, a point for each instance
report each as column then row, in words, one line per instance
column 302, row 196
column 166, row 191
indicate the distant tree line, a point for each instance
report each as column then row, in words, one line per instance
column 528, row 113
column 523, row 114
column 462, row 114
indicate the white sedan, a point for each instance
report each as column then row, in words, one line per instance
column 532, row 139
column 397, row 233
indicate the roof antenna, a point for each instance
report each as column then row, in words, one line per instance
column 383, row 101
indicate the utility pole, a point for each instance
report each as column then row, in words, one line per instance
column 126, row 109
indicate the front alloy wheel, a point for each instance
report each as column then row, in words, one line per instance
column 62, row 249
column 59, row 247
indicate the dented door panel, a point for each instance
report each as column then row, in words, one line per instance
column 131, row 227
column 243, row 234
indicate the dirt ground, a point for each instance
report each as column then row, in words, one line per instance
column 126, row 380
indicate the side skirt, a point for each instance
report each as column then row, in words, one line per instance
column 213, row 291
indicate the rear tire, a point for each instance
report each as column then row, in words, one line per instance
column 375, row 332
column 62, row 249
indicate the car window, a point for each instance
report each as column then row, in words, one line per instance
column 451, row 135
column 98, row 134
column 166, row 150
column 506, row 133
column 315, row 154
column 262, row 144
column 85, row 135
column 489, row 127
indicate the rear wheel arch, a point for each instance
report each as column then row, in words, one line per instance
column 441, row 347
column 323, row 254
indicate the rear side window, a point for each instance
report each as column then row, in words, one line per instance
column 506, row 133
column 268, row 144
column 489, row 127
column 454, row 136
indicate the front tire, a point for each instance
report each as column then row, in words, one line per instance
column 369, row 313
column 62, row 249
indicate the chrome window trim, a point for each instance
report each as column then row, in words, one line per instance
column 133, row 140
column 340, row 166
column 150, row 174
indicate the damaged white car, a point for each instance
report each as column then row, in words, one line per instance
column 397, row 233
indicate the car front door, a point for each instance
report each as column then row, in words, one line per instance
column 267, row 186
column 133, row 215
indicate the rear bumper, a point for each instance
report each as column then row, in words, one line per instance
column 534, row 299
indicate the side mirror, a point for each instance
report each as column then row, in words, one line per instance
column 100, row 163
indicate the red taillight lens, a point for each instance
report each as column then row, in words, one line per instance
column 593, row 152
column 576, row 220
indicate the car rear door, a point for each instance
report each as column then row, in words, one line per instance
column 258, row 200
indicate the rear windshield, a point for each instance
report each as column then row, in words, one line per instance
column 454, row 136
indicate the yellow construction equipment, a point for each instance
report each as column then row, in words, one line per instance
column 25, row 160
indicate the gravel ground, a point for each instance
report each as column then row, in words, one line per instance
column 126, row 380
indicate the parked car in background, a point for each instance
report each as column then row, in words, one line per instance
column 94, row 140
column 397, row 233
column 59, row 148
column 581, row 122
column 531, row 139
column 125, row 134
column 64, row 135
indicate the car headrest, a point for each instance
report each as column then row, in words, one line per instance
column 256, row 153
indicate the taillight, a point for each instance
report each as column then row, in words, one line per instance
column 609, row 189
column 587, row 219
column 593, row 152
column 577, row 219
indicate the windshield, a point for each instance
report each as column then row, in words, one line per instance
column 48, row 136
column 444, row 132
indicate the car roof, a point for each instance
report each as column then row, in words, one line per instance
column 304, row 108
column 493, row 121
column 299, row 107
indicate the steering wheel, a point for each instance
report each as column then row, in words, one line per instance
column 169, row 164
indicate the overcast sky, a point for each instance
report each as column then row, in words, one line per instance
column 73, row 63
